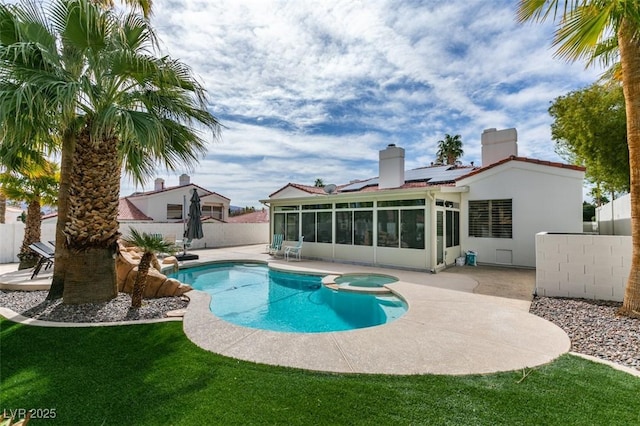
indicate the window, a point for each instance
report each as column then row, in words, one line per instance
column 292, row 227
column 316, row 207
column 354, row 227
column 324, row 227
column 212, row 211
column 388, row 228
column 316, row 227
column 401, row 203
column 363, row 228
column 412, row 228
column 309, row 227
column 174, row 211
column 490, row 219
column 344, row 227
column 358, row 205
column 453, row 228
column 278, row 223
column 287, row 224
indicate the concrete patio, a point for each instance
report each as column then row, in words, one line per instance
column 466, row 320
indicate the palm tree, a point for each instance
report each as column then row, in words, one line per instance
column 151, row 244
column 144, row 5
column 91, row 75
column 36, row 186
column 449, row 149
column 3, row 207
column 606, row 30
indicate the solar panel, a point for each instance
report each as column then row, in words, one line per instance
column 356, row 186
column 437, row 174
column 433, row 175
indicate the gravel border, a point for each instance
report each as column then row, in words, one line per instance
column 33, row 304
column 594, row 328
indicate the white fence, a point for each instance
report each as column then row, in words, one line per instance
column 614, row 218
column 215, row 235
column 582, row 266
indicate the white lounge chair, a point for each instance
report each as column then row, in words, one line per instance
column 294, row 250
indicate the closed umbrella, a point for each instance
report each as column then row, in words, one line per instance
column 194, row 226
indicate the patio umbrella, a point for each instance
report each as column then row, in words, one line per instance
column 194, row 224
column 193, row 229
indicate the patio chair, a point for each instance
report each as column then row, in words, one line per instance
column 294, row 250
column 276, row 244
column 47, row 254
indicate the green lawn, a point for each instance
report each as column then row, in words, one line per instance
column 153, row 375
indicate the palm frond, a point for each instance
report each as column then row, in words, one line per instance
column 153, row 243
column 583, row 30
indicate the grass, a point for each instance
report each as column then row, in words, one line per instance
column 153, row 375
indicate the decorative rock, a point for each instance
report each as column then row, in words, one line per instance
column 170, row 260
column 158, row 285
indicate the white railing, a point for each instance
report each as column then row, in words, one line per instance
column 582, row 266
column 215, row 235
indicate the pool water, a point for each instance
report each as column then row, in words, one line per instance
column 253, row 295
column 365, row 280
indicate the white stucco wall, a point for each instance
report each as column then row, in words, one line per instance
column 215, row 235
column 582, row 266
column 544, row 198
column 12, row 214
column 614, row 218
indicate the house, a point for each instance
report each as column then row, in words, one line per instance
column 171, row 204
column 427, row 217
column 168, row 204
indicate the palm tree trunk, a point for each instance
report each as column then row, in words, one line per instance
column 630, row 62
column 33, row 225
column 62, row 252
column 3, row 208
column 91, row 231
column 141, row 280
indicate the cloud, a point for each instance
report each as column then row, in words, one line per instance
column 313, row 89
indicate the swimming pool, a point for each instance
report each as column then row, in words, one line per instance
column 253, row 295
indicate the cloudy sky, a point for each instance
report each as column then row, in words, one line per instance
column 314, row 89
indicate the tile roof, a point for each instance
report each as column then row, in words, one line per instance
column 171, row 188
column 524, row 160
column 127, row 211
column 260, row 216
column 307, row 188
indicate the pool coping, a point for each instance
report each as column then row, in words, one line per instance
column 443, row 332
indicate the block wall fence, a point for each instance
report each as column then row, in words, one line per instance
column 582, row 266
column 215, row 235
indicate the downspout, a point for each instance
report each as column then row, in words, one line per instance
column 375, row 233
column 270, row 219
column 432, row 226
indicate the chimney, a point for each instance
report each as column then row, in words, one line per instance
column 498, row 145
column 184, row 179
column 391, row 167
column 159, row 184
